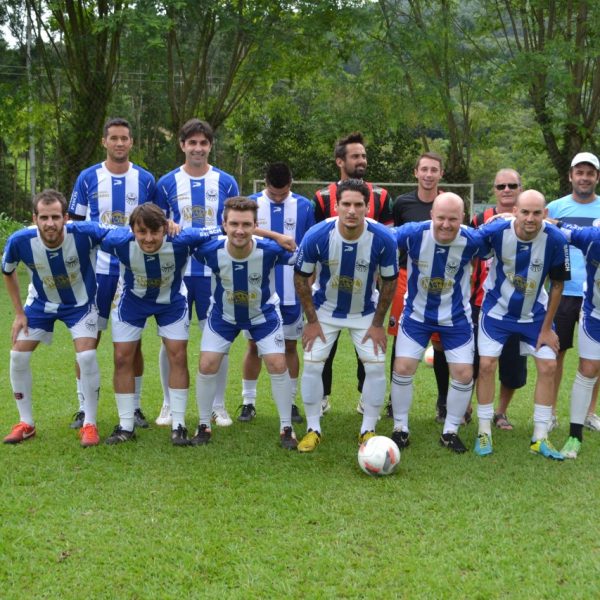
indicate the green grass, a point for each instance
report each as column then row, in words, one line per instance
column 243, row 518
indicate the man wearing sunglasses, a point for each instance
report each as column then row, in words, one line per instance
column 581, row 207
column 512, row 366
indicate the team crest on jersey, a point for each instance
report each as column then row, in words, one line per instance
column 362, row 266
column 289, row 224
column 452, row 267
column 346, row 284
column 536, row 265
column 116, row 217
column 240, row 297
column 255, row 278
column 522, row 284
column 72, row 262
column 212, row 193
column 167, row 267
column 131, row 198
column 279, row 341
column 436, row 285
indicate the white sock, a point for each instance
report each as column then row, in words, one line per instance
column 581, row 397
column 280, row 388
column 163, row 367
column 459, row 396
column 373, row 394
column 79, row 394
column 125, row 408
column 20, row 380
column 90, row 383
column 205, row 393
column 541, row 417
column 312, row 392
column 219, row 401
column 138, row 391
column 402, row 397
column 178, row 405
column 485, row 414
column 249, row 391
column 293, row 389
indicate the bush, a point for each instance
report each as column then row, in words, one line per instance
column 7, row 226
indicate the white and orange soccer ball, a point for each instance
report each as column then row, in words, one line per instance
column 428, row 356
column 379, row 455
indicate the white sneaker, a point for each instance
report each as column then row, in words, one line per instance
column 592, row 422
column 325, row 406
column 221, row 417
column 164, row 418
column 552, row 423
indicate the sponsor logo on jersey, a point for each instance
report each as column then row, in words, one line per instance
column 240, row 297
column 348, row 248
column 439, row 250
column 117, row 182
column 196, row 184
column 277, row 209
column 346, row 284
column 237, row 267
column 198, row 213
column 60, row 282
column 522, row 284
column 436, row 285
column 116, row 217
column 523, row 248
column 149, row 282
column 53, row 254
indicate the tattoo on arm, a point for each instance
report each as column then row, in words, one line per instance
column 304, row 292
column 386, row 295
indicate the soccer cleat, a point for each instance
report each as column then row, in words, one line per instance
column 179, row 436
column 288, row 439
column 120, row 435
column 452, row 442
column 19, row 433
column 592, row 422
column 248, row 413
column 203, row 435
column 402, row 438
column 78, row 419
column 440, row 415
column 88, row 435
column 221, row 417
column 360, row 407
column 139, row 419
column 164, row 418
column 310, row 441
column 552, row 423
column 296, row 416
column 572, row 448
column 546, row 449
column 367, row 435
column 325, row 405
column 483, row 445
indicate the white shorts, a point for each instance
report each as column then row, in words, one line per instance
column 588, row 345
column 87, row 327
column 357, row 327
column 273, row 343
column 125, row 332
column 409, row 348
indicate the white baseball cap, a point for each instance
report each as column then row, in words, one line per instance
column 586, row 157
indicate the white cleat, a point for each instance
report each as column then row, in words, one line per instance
column 221, row 417
column 164, row 418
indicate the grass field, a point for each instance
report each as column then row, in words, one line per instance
column 243, row 518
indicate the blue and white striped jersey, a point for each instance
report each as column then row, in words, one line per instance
column 243, row 289
column 438, row 275
column 62, row 277
column 587, row 240
column 195, row 201
column 155, row 278
column 293, row 216
column 346, row 270
column 514, row 288
column 103, row 197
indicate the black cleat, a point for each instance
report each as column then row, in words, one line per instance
column 402, row 438
column 248, row 413
column 139, row 419
column 389, row 411
column 288, row 439
column 120, row 435
column 296, row 416
column 179, row 436
column 78, row 419
column 202, row 437
column 452, row 442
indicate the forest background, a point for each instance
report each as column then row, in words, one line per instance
column 488, row 84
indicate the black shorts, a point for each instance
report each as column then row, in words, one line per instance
column 567, row 315
column 512, row 367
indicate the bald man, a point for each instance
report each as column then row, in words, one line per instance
column 439, row 256
column 526, row 251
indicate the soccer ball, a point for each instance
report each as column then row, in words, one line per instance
column 379, row 455
column 428, row 356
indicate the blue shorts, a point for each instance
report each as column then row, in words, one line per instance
column 451, row 337
column 290, row 313
column 198, row 292
column 136, row 311
column 38, row 319
column 229, row 331
column 107, row 287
